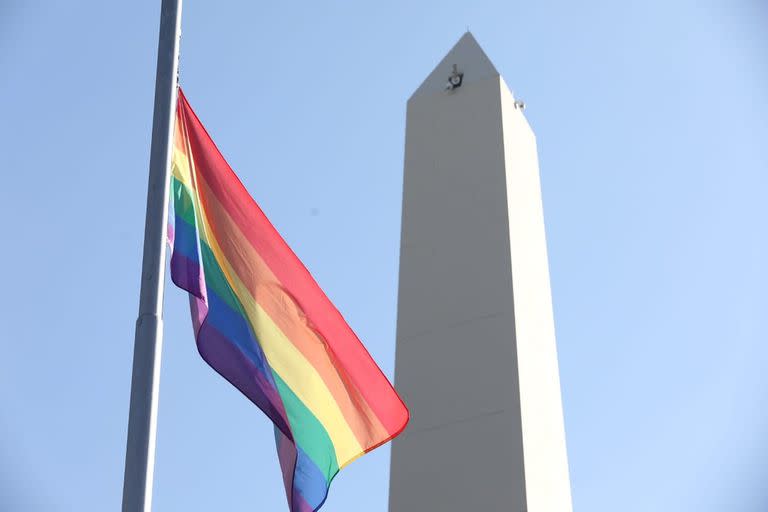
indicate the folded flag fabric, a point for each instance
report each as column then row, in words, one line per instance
column 263, row 323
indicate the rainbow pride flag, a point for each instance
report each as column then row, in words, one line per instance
column 263, row 323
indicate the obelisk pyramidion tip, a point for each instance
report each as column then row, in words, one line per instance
column 470, row 60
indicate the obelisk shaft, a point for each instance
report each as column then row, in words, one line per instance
column 476, row 359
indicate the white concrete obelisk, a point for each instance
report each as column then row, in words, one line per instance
column 476, row 358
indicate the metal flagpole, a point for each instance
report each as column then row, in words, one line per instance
column 142, row 418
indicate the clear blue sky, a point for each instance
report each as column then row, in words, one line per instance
column 652, row 122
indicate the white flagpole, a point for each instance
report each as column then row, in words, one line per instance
column 142, row 418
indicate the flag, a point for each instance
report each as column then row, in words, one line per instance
column 263, row 323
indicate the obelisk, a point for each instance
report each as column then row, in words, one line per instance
column 476, row 359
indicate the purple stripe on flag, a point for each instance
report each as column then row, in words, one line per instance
column 233, row 365
column 305, row 486
column 286, row 453
column 199, row 310
column 300, row 504
column 186, row 274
